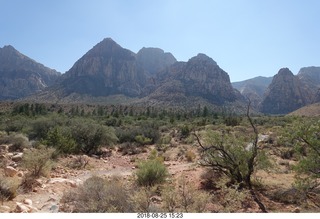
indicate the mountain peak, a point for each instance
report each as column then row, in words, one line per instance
column 285, row 72
column 203, row 58
column 9, row 47
column 154, row 59
column 9, row 50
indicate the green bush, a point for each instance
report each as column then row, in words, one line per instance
column 128, row 134
column 142, row 140
column 185, row 131
column 151, row 172
column 90, row 136
column 61, row 140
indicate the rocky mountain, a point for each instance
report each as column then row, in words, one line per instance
column 199, row 77
column 154, row 60
column 21, row 76
column 106, row 69
column 285, row 94
column 310, row 77
column 253, row 88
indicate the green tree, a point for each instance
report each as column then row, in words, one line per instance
column 61, row 140
column 90, row 137
column 304, row 137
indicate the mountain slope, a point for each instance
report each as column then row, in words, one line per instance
column 21, row 76
column 199, row 77
column 285, row 94
column 106, row 69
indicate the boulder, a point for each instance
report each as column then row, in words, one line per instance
column 17, row 157
column 10, row 171
column 27, row 202
column 22, row 208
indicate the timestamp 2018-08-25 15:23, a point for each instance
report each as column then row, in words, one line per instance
column 159, row 215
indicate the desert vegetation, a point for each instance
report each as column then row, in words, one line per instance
column 229, row 162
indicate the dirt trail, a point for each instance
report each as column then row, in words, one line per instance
column 46, row 198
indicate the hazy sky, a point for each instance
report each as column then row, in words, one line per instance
column 247, row 38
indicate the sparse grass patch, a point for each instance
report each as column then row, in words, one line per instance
column 38, row 161
column 98, row 195
column 8, row 188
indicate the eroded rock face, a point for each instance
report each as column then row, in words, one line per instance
column 154, row 60
column 21, row 76
column 285, row 94
column 200, row 76
column 104, row 70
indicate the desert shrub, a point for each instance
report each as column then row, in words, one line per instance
column 79, row 162
column 18, row 141
column 142, row 140
column 98, row 195
column 303, row 136
column 40, row 127
column 231, row 198
column 209, row 179
column 184, row 197
column 190, row 156
column 142, row 199
column 90, row 136
column 232, row 121
column 165, row 139
column 61, row 140
column 129, row 148
column 151, row 172
column 28, row 183
column 185, row 131
column 15, row 124
column 147, row 130
column 8, row 188
column 191, row 199
column 170, row 198
column 38, row 161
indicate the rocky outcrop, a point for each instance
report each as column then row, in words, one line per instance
column 21, row 76
column 154, row 60
column 285, row 94
column 106, row 69
column 199, row 77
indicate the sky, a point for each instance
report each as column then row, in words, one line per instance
column 247, row 38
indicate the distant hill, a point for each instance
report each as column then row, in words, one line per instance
column 312, row 110
column 21, row 76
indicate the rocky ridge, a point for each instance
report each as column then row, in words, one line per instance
column 21, row 76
